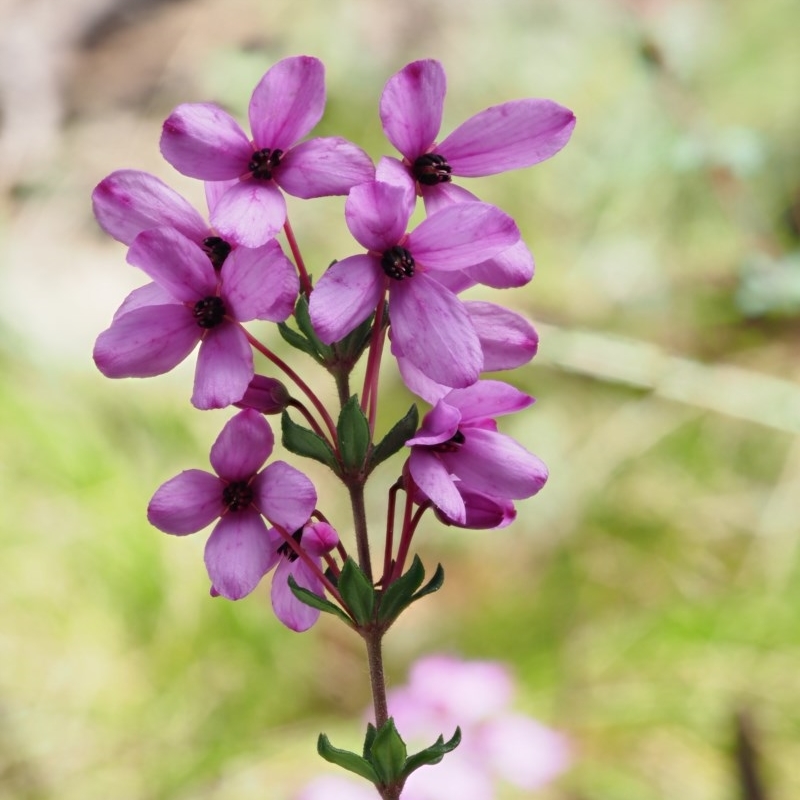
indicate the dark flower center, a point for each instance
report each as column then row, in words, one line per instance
column 237, row 495
column 431, row 169
column 263, row 162
column 452, row 445
column 286, row 551
column 209, row 312
column 217, row 251
column 398, row 263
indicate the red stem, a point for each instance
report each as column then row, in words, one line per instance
column 305, row 280
column 387, row 553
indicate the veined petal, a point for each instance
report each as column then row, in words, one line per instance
column 418, row 382
column 461, row 235
column 250, row 213
column 434, row 332
column 259, row 283
column 147, row 341
column 346, row 294
column 288, row 609
column 377, row 214
column 129, row 201
column 438, row 425
column 224, row 367
column 203, row 141
column 511, row 135
column 323, row 167
column 433, row 478
column 242, row 447
column 442, row 195
column 411, row 107
column 284, row 495
column 511, row 268
column 186, row 503
column 507, row 339
column 214, row 191
column 287, row 102
column 175, row 262
column 487, row 399
column 391, row 170
column 151, row 294
column 239, row 553
column 495, row 464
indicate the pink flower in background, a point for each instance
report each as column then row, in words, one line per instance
column 240, row 550
column 203, row 141
column 429, row 323
column 458, row 442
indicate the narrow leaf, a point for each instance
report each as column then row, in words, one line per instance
column 298, row 341
column 433, row 585
column 352, row 762
column 388, row 753
column 369, row 738
column 400, row 433
column 315, row 601
column 304, row 442
column 399, row 594
column 357, row 592
column 431, row 755
column 353, row 430
column 303, row 319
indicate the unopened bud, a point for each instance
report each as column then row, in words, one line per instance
column 267, row 395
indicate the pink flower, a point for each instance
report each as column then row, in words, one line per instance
column 203, row 141
column 158, row 325
column 429, row 323
column 241, row 549
column 458, row 442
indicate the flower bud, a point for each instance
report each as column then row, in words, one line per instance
column 267, row 395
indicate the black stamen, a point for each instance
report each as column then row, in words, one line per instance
column 217, row 251
column 209, row 312
column 452, row 445
column 431, row 169
column 237, row 496
column 398, row 263
column 263, row 162
column 285, row 549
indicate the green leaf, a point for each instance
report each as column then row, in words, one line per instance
column 353, row 345
column 369, row 738
column 388, row 753
column 298, row 341
column 303, row 319
column 352, row 762
column 357, row 592
column 354, row 437
column 304, row 442
column 399, row 595
column 431, row 755
column 315, row 601
column 400, row 433
column 433, row 585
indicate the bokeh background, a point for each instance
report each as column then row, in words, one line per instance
column 647, row 600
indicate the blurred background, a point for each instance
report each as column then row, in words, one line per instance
column 647, row 600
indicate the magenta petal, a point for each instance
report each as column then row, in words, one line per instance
column 319, row 538
column 509, row 269
column 438, row 425
column 346, row 294
column 483, row 511
column 150, row 294
column 175, row 262
column 508, row 340
column 203, row 141
column 377, row 214
column 390, row 170
column 461, row 235
column 411, row 107
column 487, row 399
column 497, row 465
column 434, row 479
column 259, row 283
column 147, row 341
column 250, row 213
column 186, row 503
column 214, row 190
column 239, row 553
column 434, row 332
column 288, row 102
column 323, row 167
column 129, row 201
column 242, row 447
column 285, row 496
column 419, row 383
column 444, row 194
column 512, row 135
column 288, row 609
column 224, row 367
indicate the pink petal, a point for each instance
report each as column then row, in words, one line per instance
column 390, row 170
column 239, row 553
column 150, row 294
column 487, row 399
column 419, row 383
column 203, row 141
column 483, row 511
column 259, row 283
column 433, row 478
column 461, row 235
column 512, row 268
column 187, row 503
column 411, row 107
column 377, row 214
column 323, row 167
column 250, row 213
column 285, row 496
column 319, row 538
column 438, row 425
column 508, row 340
column 288, row 102
column 242, row 447
column 346, row 294
column 175, row 262
column 128, row 202
column 444, row 194
column 214, row 191
column 512, row 135
column 294, row 614
column 224, row 367
column 147, row 341
column 434, row 332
